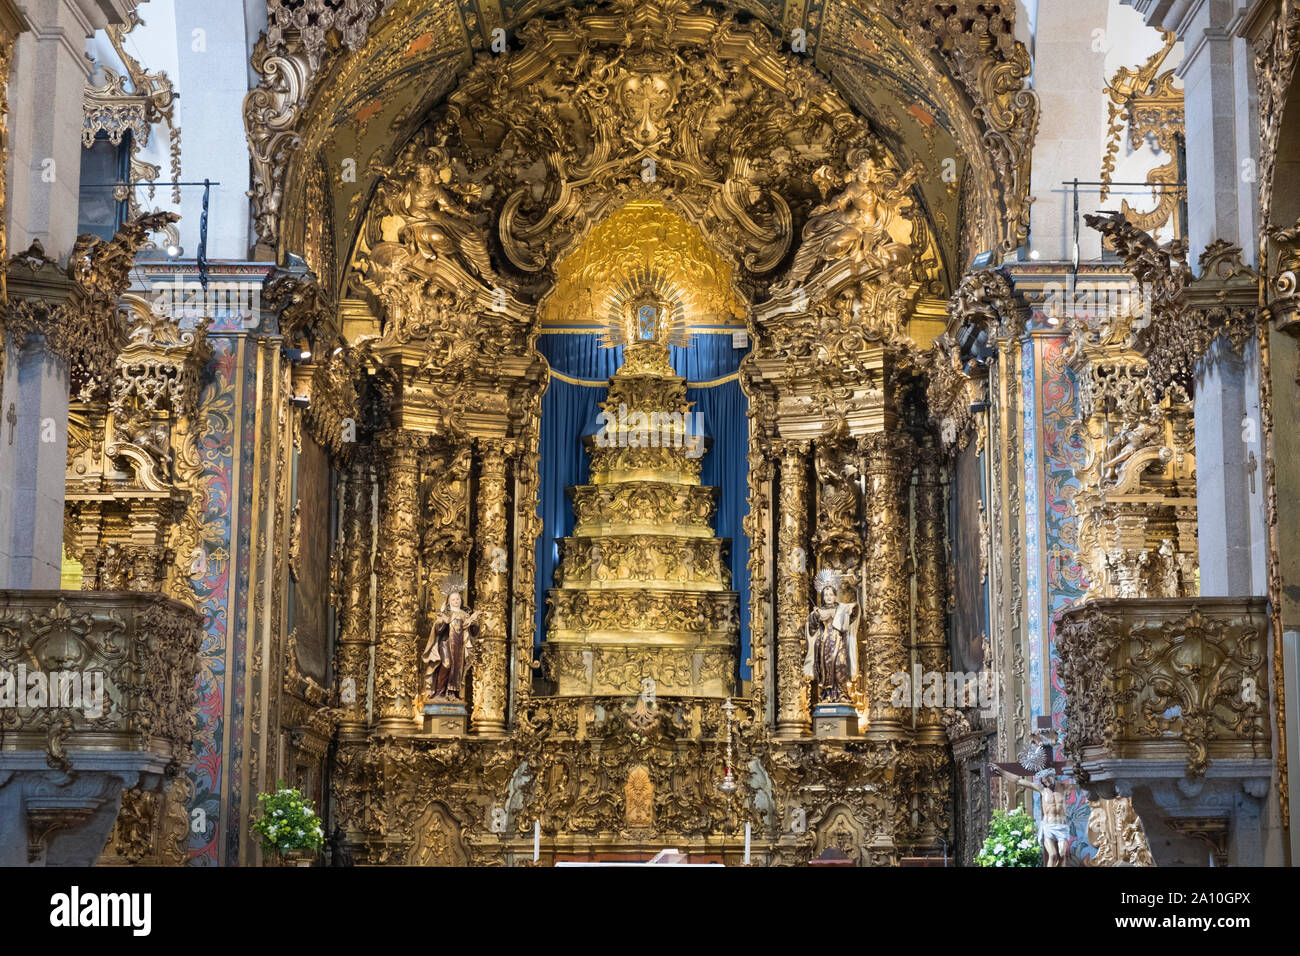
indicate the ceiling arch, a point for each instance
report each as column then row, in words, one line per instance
column 943, row 91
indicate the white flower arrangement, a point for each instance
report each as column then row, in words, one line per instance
column 288, row 823
column 1012, row 841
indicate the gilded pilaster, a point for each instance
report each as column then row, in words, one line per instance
column 888, row 465
column 353, row 665
column 931, row 584
column 792, row 601
column 396, row 654
column 491, row 590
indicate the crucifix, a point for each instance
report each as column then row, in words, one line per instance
column 1252, row 463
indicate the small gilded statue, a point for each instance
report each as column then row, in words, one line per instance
column 451, row 641
column 832, row 631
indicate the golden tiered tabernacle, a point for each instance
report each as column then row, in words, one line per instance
column 643, row 585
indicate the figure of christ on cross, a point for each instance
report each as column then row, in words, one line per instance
column 1053, row 829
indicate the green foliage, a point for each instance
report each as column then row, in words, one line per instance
column 288, row 822
column 1012, row 841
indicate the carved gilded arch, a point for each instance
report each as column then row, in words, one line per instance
column 647, row 102
column 939, row 84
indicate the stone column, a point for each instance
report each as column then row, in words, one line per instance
column 33, row 457
column 885, row 616
column 353, row 665
column 398, row 598
column 792, row 602
column 1212, row 101
column 1231, row 537
column 491, row 590
column 46, row 82
column 931, row 586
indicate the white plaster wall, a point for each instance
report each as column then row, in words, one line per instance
column 204, row 47
column 1069, row 74
column 1077, row 48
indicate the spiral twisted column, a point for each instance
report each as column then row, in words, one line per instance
column 353, row 653
column 398, row 564
column 931, row 584
column 491, row 589
column 792, row 607
column 886, row 613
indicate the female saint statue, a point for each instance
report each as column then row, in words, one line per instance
column 832, row 631
column 451, row 640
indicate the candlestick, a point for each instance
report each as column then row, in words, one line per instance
column 728, row 781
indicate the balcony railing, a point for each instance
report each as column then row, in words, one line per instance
column 1165, row 680
column 99, row 678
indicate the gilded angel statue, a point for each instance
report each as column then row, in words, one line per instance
column 868, row 222
column 427, row 221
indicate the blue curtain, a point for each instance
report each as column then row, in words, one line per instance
column 569, row 411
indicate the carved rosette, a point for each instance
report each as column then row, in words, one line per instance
column 491, row 589
column 792, row 590
column 353, row 650
column 398, row 566
column 888, row 467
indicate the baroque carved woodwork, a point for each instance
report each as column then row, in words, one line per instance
column 628, row 123
column 76, row 309
column 135, row 484
column 630, row 612
column 1115, row 829
column 1136, row 505
column 1174, row 679
column 122, row 670
column 1182, row 315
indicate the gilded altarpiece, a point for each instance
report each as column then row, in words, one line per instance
column 427, row 361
